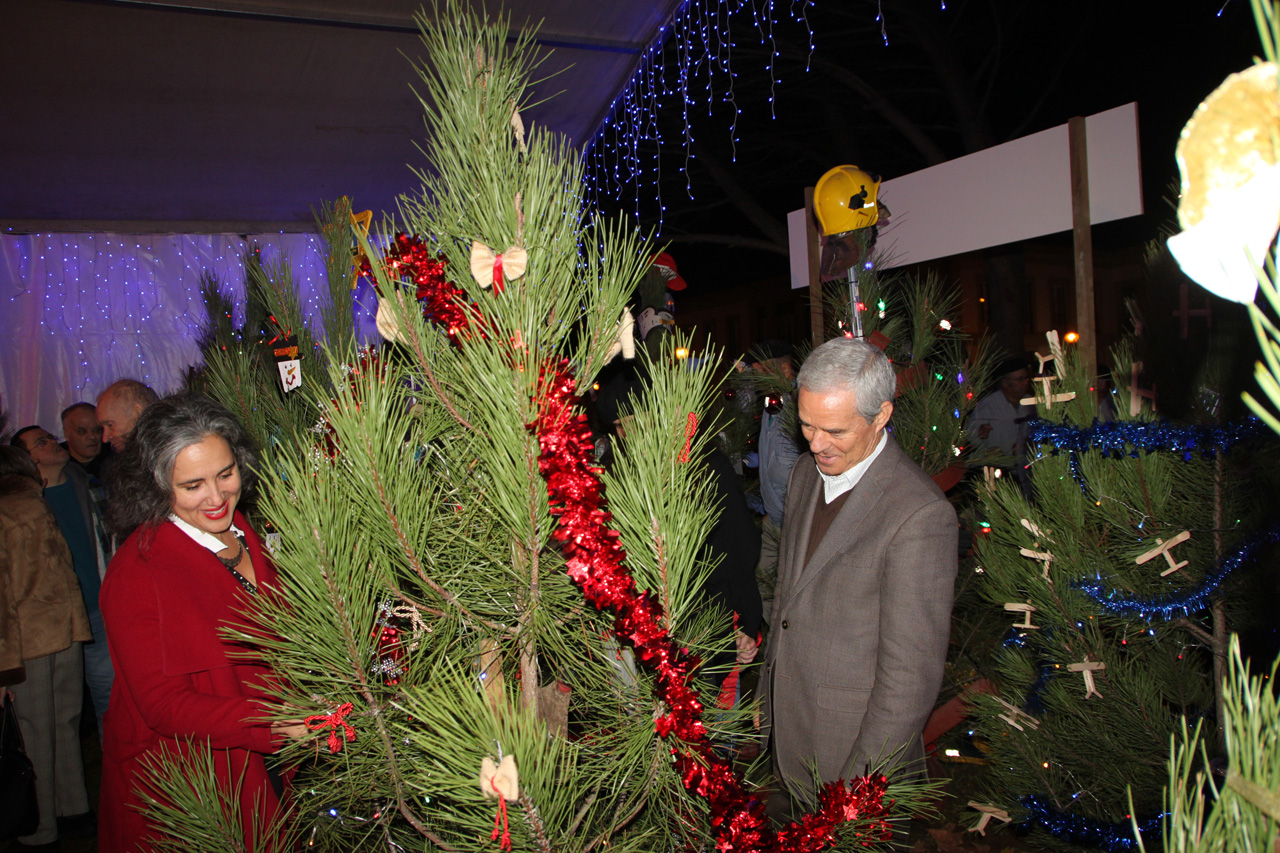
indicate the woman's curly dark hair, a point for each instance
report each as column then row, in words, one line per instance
column 141, row 483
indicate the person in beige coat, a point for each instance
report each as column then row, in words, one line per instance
column 866, row 578
column 42, row 623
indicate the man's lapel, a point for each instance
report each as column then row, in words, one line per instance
column 862, row 501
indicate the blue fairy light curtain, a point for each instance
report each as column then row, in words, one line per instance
column 78, row 311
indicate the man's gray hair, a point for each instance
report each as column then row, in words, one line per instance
column 844, row 364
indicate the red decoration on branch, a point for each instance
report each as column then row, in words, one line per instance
column 333, row 721
column 690, row 430
column 443, row 303
column 595, row 562
column 500, row 820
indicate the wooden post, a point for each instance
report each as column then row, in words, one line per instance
column 1082, row 228
column 814, row 246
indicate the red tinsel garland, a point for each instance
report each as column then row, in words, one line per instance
column 595, row 560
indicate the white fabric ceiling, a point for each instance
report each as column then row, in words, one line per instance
column 239, row 115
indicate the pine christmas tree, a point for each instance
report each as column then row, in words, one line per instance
column 1114, row 580
column 1206, row 813
column 489, row 654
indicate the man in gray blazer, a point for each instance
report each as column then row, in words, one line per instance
column 866, row 578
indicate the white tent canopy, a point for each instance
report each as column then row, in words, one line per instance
column 238, row 115
column 148, row 142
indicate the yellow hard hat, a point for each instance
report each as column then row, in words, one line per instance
column 845, row 200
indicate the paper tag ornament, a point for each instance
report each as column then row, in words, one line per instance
column 288, row 362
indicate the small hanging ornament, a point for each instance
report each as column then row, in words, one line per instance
column 517, row 127
column 1026, row 609
column 288, row 362
column 1015, row 716
column 1229, row 203
column 335, row 721
column 625, row 343
column 1059, row 367
column 690, row 429
column 1088, row 668
column 501, row 782
column 489, row 268
column 1045, row 556
column 1163, row 549
column 988, row 812
column 387, row 322
column 360, row 223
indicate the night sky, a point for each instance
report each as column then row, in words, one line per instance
column 1021, row 65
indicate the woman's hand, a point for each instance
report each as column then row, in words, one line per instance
column 295, row 729
column 747, row 647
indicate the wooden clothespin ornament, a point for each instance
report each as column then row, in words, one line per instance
column 1136, row 393
column 989, row 477
column 1035, row 531
column 1088, row 668
column 1026, row 609
column 1047, row 557
column 988, row 812
column 1059, row 368
column 1014, row 714
column 1162, row 549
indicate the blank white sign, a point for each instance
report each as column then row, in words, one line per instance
column 1015, row 191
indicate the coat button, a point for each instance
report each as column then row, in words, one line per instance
column 785, row 624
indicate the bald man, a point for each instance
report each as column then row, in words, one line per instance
column 118, row 409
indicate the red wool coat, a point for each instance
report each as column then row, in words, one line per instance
column 176, row 678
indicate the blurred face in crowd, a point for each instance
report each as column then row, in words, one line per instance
column 206, row 485
column 117, row 416
column 838, row 436
column 83, row 434
column 44, row 448
column 1016, row 385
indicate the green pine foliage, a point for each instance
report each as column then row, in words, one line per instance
column 941, row 372
column 1101, row 757
column 1205, row 813
column 422, row 582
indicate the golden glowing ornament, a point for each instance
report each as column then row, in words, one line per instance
column 1230, row 196
column 360, row 223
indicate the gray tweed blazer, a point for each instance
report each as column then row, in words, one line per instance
column 859, row 635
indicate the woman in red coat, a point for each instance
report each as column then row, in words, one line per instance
column 191, row 566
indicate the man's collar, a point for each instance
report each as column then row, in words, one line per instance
column 835, row 486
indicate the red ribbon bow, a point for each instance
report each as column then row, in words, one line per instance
column 332, row 721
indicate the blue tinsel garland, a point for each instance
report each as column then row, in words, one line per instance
column 1075, row 829
column 1183, row 603
column 1133, row 436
